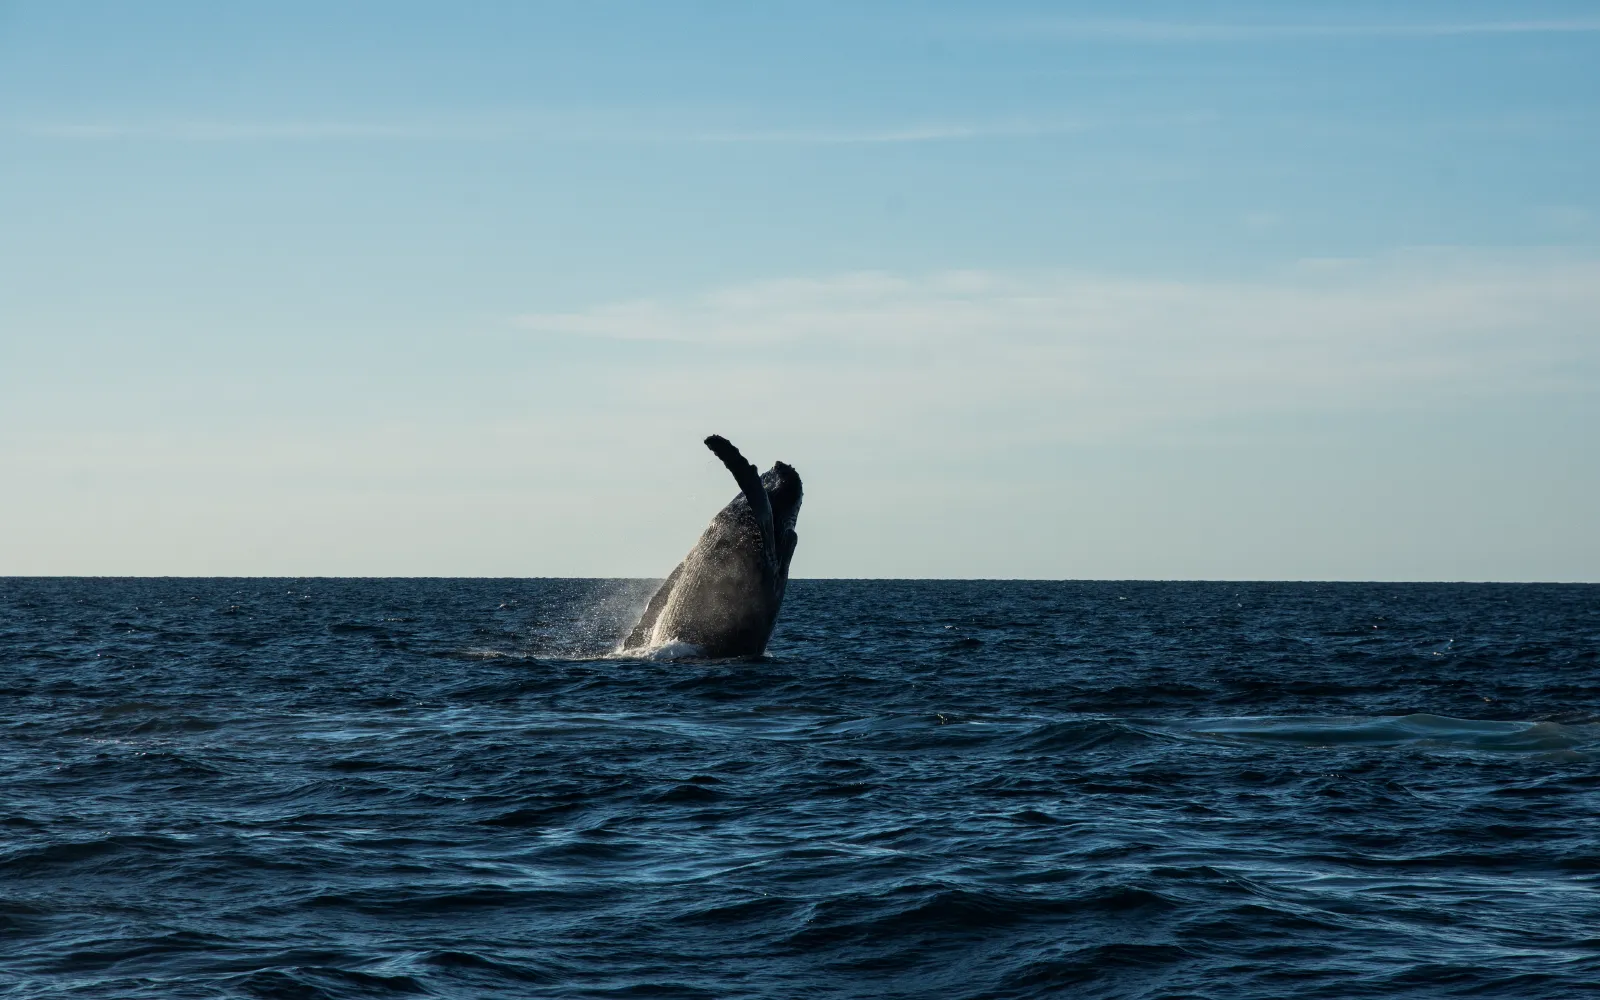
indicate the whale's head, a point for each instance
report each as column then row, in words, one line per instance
column 782, row 484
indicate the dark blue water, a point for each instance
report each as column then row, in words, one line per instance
column 369, row 788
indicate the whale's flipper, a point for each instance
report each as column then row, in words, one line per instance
column 749, row 480
column 647, row 622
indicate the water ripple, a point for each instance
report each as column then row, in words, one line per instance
column 453, row 788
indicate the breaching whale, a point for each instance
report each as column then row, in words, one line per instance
column 723, row 599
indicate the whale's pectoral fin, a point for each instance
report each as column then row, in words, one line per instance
column 749, row 480
column 647, row 621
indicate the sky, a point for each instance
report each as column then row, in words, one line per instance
column 1156, row 291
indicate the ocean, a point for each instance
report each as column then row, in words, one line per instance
column 447, row 788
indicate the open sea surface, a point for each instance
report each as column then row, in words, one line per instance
column 383, row 788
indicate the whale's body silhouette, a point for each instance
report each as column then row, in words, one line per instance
column 723, row 599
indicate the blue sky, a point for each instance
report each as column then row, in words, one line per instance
column 1164, row 291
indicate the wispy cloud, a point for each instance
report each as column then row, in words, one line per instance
column 1196, row 32
column 942, row 406
column 251, row 131
column 562, row 128
column 917, row 132
column 1075, row 355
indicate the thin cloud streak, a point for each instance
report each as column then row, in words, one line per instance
column 552, row 131
column 1086, row 357
column 1185, row 32
column 213, row 131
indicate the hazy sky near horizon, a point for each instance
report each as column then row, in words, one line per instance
column 1231, row 290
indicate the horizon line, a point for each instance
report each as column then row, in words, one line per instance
column 4, row 577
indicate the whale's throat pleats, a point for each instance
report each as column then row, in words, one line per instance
column 640, row 636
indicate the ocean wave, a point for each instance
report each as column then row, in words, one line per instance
column 927, row 788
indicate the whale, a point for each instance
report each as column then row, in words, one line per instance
column 722, row 600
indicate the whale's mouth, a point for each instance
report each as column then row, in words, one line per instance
column 784, row 492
